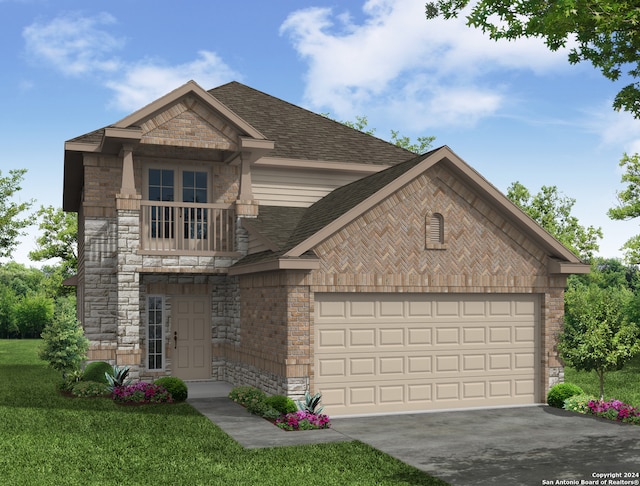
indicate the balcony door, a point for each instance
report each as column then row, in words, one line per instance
column 185, row 222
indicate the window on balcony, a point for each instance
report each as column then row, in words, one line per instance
column 177, row 214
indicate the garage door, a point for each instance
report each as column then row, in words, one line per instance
column 382, row 353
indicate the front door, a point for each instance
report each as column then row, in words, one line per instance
column 191, row 336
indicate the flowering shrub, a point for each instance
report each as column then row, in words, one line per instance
column 141, row 392
column 247, row 396
column 303, row 420
column 578, row 403
column 614, row 410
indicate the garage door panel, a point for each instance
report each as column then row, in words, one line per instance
column 362, row 367
column 473, row 335
column 362, row 337
column 447, row 335
column 332, row 338
column 378, row 353
column 418, row 336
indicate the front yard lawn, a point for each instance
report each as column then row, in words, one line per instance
column 623, row 385
column 46, row 438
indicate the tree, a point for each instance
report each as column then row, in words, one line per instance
column 629, row 203
column 59, row 238
column 11, row 225
column 598, row 335
column 606, row 32
column 32, row 314
column 361, row 124
column 421, row 146
column 64, row 344
column 553, row 212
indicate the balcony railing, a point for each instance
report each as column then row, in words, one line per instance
column 187, row 228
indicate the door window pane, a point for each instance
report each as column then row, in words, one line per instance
column 155, row 318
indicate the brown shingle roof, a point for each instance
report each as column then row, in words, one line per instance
column 302, row 134
column 276, row 223
column 297, row 133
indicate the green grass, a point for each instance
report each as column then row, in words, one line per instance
column 623, row 385
column 46, row 438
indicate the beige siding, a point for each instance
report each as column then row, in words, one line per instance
column 294, row 187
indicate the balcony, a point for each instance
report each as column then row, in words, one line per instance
column 187, row 228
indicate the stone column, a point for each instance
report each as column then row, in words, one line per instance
column 129, row 352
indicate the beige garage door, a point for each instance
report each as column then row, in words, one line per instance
column 380, row 353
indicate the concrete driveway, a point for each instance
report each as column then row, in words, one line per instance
column 512, row 446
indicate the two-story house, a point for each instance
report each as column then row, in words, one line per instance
column 230, row 235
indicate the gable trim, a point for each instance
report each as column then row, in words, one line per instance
column 191, row 87
column 441, row 155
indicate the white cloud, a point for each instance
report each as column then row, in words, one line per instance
column 619, row 130
column 73, row 44
column 147, row 80
column 76, row 45
column 351, row 65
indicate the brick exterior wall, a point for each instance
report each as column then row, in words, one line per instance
column 385, row 250
column 274, row 348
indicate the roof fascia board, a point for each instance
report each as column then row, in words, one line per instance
column 305, row 264
column 443, row 153
column 284, row 163
column 190, row 87
column 130, row 133
column 567, row 268
column 81, row 147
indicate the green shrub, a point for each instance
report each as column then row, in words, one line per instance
column 175, row 386
column 63, row 343
column 560, row 392
column 90, row 389
column 578, row 403
column 281, row 403
column 96, row 371
column 70, row 380
column 247, row 395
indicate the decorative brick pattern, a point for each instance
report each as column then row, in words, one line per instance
column 189, row 124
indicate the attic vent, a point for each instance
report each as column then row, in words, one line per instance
column 436, row 229
column 435, row 232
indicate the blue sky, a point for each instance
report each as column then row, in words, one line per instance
column 513, row 111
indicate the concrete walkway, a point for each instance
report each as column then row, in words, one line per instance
column 250, row 431
column 532, row 445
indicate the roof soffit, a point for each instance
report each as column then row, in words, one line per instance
column 443, row 155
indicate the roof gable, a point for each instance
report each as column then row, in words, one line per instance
column 195, row 92
column 361, row 196
column 190, row 123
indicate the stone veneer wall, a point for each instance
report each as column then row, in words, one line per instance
column 128, row 352
column 98, row 315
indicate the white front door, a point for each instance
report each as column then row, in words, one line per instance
column 191, row 337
